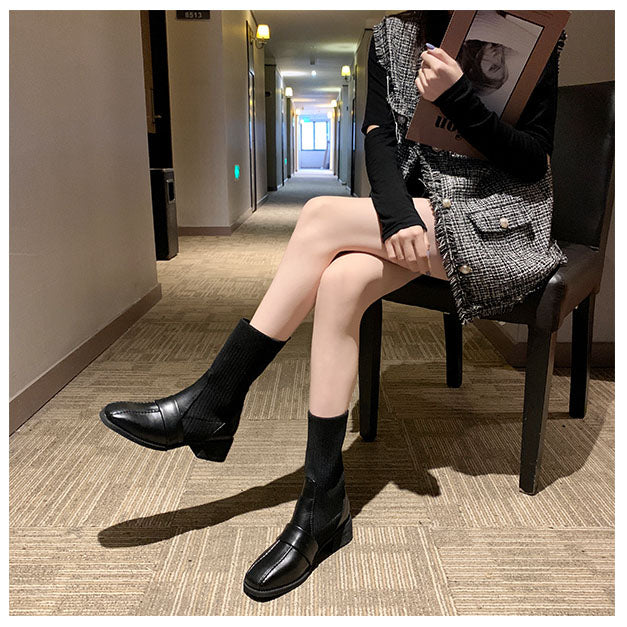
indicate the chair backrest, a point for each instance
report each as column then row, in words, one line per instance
column 583, row 164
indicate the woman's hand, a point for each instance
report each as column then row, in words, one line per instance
column 438, row 72
column 409, row 248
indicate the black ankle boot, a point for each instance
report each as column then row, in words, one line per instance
column 321, row 522
column 205, row 415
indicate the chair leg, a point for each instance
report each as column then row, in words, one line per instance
column 454, row 347
column 538, row 376
column 369, row 369
column 583, row 320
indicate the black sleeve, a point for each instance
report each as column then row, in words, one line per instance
column 391, row 200
column 521, row 149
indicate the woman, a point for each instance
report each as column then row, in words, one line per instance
column 344, row 254
column 484, row 63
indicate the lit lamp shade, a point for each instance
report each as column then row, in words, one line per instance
column 288, row 92
column 346, row 70
column 263, row 31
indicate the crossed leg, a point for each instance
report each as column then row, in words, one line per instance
column 336, row 260
column 349, row 285
column 326, row 227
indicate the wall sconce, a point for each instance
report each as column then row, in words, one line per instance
column 346, row 72
column 263, row 34
column 288, row 92
column 334, row 103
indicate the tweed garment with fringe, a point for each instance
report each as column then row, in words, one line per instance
column 506, row 264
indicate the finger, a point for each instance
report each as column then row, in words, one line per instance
column 422, row 256
column 433, row 62
column 431, row 75
column 398, row 249
column 429, row 263
column 428, row 248
column 427, row 73
column 416, row 264
column 440, row 55
column 409, row 251
column 390, row 249
column 411, row 257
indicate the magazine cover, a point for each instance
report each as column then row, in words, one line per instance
column 518, row 42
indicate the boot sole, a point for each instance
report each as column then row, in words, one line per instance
column 214, row 450
column 342, row 536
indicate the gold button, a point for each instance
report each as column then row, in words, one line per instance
column 465, row 269
column 446, row 203
column 504, row 223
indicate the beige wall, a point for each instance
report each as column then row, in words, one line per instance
column 81, row 232
column 209, row 106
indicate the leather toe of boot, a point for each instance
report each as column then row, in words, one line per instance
column 140, row 422
column 281, row 567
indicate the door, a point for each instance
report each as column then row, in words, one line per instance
column 251, row 119
column 157, row 88
column 251, row 140
column 352, row 177
column 282, row 141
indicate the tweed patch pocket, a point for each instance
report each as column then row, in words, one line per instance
column 500, row 220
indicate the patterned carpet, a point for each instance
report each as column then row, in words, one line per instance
column 99, row 525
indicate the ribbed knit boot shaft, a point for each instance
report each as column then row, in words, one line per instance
column 323, row 456
column 243, row 357
column 323, row 465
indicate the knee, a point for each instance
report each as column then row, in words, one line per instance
column 344, row 282
column 316, row 210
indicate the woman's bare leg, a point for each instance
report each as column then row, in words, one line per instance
column 327, row 226
column 351, row 283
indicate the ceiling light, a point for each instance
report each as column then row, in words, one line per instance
column 313, row 72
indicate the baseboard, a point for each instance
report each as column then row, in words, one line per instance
column 515, row 353
column 221, row 230
column 38, row 393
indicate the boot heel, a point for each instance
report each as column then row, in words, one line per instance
column 214, row 450
column 339, row 539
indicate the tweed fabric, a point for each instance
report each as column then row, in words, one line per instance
column 506, row 264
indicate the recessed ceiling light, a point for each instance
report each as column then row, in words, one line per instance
column 313, row 72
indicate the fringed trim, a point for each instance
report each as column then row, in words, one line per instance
column 379, row 32
column 561, row 42
column 447, row 248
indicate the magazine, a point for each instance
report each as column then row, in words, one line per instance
column 520, row 42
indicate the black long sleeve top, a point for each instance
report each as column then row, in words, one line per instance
column 520, row 150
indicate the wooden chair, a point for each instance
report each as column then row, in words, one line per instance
column 583, row 177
